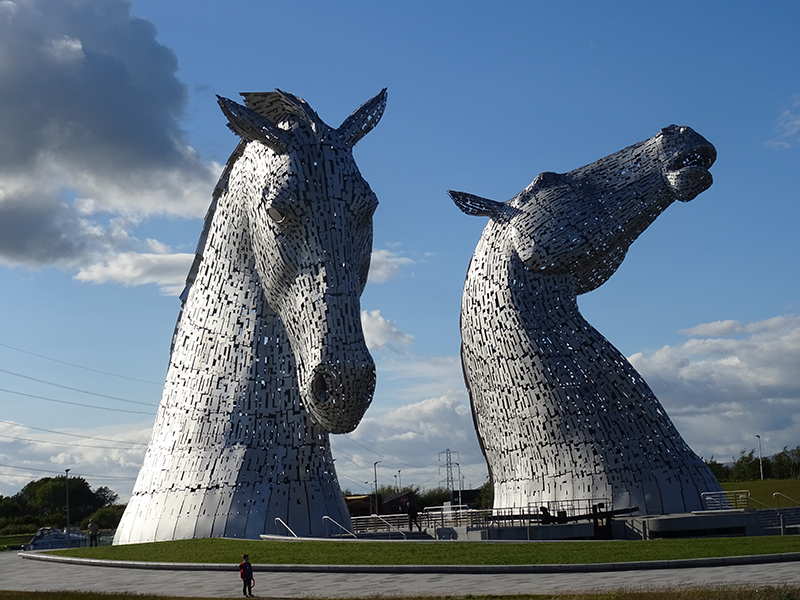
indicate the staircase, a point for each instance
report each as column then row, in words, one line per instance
column 770, row 520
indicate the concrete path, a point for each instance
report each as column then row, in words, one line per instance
column 18, row 574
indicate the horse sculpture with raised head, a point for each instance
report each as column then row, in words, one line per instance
column 560, row 413
column 268, row 354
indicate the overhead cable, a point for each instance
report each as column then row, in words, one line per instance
column 122, row 410
column 66, row 387
column 69, row 364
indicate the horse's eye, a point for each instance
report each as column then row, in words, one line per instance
column 276, row 215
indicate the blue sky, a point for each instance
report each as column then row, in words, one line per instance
column 112, row 142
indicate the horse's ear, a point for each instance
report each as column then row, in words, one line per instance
column 475, row 206
column 365, row 117
column 251, row 126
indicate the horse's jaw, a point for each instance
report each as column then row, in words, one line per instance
column 335, row 371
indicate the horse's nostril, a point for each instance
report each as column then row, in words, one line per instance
column 319, row 388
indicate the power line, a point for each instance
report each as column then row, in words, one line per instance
column 62, row 472
column 11, row 437
column 69, row 364
column 66, row 387
column 388, row 458
column 122, row 410
column 86, row 437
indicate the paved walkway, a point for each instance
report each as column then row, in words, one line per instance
column 18, row 574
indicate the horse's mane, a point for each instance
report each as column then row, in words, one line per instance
column 279, row 106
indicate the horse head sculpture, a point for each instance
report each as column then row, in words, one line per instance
column 583, row 222
column 560, row 413
column 268, row 355
column 310, row 222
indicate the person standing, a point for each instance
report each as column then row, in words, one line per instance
column 92, row 528
column 246, row 573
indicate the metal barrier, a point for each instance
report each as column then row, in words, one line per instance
column 726, row 500
column 778, row 496
column 326, row 520
column 279, row 520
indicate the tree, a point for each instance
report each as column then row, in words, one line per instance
column 43, row 503
column 720, row 471
column 782, row 464
column 485, row 497
column 435, row 497
column 747, row 468
column 107, row 517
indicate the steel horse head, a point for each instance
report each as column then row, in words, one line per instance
column 309, row 212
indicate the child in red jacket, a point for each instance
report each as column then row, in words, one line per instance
column 246, row 573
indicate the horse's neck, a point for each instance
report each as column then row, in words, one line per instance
column 226, row 303
column 503, row 296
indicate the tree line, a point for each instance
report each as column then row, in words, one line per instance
column 43, row 503
column 783, row 465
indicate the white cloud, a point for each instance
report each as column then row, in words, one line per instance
column 168, row 271
column 112, row 461
column 90, row 115
column 410, row 438
column 386, row 265
column 382, row 334
column 787, row 128
column 739, row 380
column 65, row 50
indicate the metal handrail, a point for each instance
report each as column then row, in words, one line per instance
column 339, row 525
column 279, row 520
column 711, row 500
column 764, row 504
column 777, row 495
column 400, row 531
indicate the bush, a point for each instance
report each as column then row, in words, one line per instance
column 107, row 517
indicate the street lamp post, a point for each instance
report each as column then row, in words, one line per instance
column 375, row 472
column 66, row 484
column 760, row 459
column 399, row 483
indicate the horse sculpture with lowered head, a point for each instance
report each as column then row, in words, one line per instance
column 560, row 413
column 268, row 354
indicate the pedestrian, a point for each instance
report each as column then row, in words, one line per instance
column 92, row 528
column 246, row 573
column 413, row 513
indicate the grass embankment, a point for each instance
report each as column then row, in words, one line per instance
column 216, row 550
column 762, row 491
column 707, row 593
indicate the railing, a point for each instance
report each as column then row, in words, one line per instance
column 778, row 495
column 451, row 516
column 434, row 517
column 554, row 510
column 726, row 500
column 764, row 504
column 279, row 520
column 391, row 527
column 378, row 523
column 326, row 519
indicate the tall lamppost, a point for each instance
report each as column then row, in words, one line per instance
column 399, row 483
column 375, row 471
column 66, row 484
column 760, row 460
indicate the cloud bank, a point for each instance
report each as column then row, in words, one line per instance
column 90, row 109
column 730, row 381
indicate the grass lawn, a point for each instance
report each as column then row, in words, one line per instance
column 762, row 490
column 216, row 550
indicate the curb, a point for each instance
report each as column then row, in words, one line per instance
column 722, row 561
